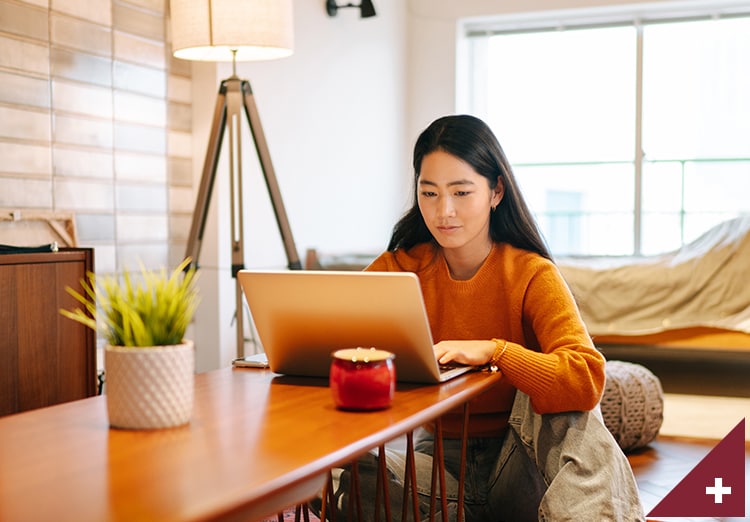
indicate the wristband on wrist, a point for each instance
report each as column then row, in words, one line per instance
column 494, row 363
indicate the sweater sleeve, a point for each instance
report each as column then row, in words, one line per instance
column 568, row 372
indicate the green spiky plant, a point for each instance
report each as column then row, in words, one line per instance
column 155, row 311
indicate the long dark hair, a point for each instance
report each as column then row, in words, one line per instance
column 471, row 140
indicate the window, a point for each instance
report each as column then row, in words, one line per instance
column 574, row 107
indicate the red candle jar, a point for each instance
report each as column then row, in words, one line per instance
column 362, row 379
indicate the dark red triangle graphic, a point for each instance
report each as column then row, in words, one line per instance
column 713, row 488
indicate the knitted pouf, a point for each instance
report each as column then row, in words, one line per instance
column 632, row 404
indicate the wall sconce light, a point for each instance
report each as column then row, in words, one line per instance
column 366, row 8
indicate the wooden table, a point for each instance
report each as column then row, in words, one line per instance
column 257, row 443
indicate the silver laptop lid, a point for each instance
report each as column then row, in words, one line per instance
column 303, row 316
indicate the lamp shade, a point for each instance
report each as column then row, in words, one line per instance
column 210, row 30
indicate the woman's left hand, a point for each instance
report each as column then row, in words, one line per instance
column 472, row 353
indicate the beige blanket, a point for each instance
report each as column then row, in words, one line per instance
column 705, row 283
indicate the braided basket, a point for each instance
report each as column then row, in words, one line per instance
column 632, row 404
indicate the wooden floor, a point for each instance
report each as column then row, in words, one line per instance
column 668, row 459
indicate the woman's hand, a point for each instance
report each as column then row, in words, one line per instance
column 472, row 353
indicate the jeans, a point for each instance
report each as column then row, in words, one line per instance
column 551, row 467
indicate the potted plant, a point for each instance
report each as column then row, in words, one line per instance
column 149, row 365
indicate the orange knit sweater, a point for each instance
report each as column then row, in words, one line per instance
column 520, row 297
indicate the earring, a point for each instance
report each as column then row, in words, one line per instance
column 494, row 207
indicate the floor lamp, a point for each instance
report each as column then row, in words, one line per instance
column 234, row 30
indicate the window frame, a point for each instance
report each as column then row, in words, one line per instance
column 470, row 30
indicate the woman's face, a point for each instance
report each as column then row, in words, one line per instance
column 456, row 201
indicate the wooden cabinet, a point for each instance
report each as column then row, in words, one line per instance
column 45, row 358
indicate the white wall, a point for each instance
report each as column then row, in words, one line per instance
column 334, row 116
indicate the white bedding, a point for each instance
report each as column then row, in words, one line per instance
column 704, row 284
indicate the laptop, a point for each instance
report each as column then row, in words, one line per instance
column 303, row 316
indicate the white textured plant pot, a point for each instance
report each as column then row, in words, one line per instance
column 149, row 387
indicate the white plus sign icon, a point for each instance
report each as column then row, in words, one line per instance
column 718, row 490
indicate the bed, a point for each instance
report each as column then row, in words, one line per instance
column 695, row 299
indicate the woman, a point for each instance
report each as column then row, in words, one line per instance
column 537, row 448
